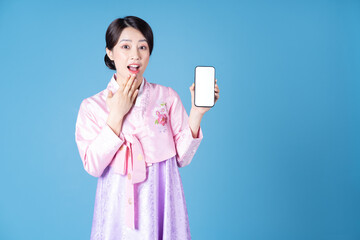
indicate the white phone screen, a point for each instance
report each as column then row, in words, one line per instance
column 204, row 86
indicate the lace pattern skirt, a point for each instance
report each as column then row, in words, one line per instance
column 160, row 207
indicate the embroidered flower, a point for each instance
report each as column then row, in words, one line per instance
column 161, row 116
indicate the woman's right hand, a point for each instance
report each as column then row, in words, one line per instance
column 121, row 102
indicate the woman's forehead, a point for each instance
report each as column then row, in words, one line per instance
column 131, row 35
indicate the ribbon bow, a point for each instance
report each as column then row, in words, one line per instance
column 134, row 166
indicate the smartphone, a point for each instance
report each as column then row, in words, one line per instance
column 204, row 95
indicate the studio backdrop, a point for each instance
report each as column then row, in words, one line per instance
column 280, row 152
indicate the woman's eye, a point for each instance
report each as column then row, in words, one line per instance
column 125, row 46
column 143, row 47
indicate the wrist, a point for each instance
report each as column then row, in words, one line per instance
column 115, row 124
column 196, row 112
column 115, row 118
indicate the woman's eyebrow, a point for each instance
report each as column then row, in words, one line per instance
column 143, row 40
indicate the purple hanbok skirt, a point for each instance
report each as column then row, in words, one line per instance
column 160, row 207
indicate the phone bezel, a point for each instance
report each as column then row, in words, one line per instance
column 195, row 84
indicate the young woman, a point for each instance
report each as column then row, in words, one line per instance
column 133, row 136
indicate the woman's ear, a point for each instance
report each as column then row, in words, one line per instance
column 109, row 53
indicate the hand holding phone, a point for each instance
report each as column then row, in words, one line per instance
column 204, row 95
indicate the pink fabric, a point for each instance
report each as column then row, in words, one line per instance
column 155, row 129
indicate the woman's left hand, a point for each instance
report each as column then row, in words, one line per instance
column 203, row 110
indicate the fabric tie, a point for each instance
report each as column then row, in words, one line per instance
column 134, row 166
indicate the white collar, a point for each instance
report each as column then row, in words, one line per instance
column 139, row 96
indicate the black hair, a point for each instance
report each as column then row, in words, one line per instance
column 115, row 28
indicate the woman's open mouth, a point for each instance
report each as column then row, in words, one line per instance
column 134, row 68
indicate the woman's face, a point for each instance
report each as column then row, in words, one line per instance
column 131, row 49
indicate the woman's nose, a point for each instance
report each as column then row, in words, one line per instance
column 135, row 55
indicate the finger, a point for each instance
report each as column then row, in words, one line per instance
column 123, row 84
column 129, row 83
column 134, row 95
column 126, row 81
column 133, row 88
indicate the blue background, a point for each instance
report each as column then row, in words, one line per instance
column 281, row 148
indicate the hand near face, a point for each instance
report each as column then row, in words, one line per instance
column 121, row 102
column 203, row 110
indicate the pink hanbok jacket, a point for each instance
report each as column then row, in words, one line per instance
column 155, row 129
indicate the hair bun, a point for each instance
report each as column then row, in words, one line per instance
column 109, row 63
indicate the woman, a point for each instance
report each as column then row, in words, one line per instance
column 133, row 136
